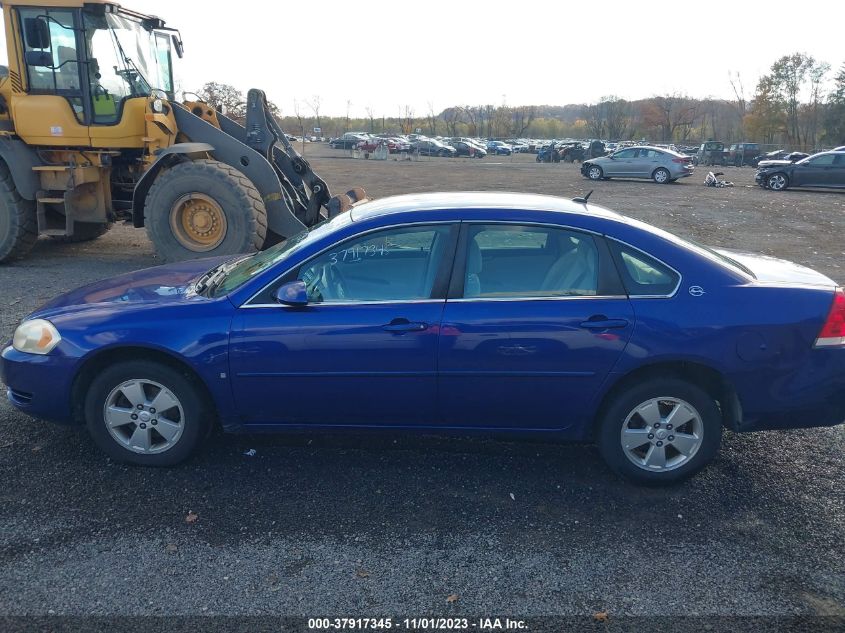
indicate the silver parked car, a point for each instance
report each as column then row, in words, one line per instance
column 661, row 165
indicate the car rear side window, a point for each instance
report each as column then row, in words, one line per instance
column 642, row 274
column 519, row 261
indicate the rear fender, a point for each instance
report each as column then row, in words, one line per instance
column 21, row 158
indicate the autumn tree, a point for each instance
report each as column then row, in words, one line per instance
column 225, row 98
column 835, row 114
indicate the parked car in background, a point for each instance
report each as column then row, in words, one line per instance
column 661, row 165
column 741, row 154
column 430, row 147
column 826, row 169
column 778, row 156
column 464, row 148
column 711, row 153
column 350, row 140
column 611, row 330
column 499, row 148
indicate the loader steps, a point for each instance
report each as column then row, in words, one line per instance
column 51, row 221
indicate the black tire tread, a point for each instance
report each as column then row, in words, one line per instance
column 23, row 220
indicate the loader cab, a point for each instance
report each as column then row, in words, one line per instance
column 86, row 72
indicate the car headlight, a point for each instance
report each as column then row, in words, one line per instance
column 37, row 336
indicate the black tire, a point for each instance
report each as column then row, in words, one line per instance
column 234, row 193
column 594, row 172
column 624, row 403
column 197, row 413
column 83, row 232
column 661, row 176
column 18, row 221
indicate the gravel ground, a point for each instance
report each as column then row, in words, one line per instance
column 393, row 525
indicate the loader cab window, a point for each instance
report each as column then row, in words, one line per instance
column 51, row 54
column 126, row 59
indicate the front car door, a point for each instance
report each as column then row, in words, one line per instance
column 817, row 171
column 363, row 351
column 535, row 320
column 620, row 164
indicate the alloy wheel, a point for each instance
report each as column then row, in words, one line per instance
column 777, row 182
column 144, row 416
column 662, row 434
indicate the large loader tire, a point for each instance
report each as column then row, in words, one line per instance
column 18, row 222
column 83, row 232
column 204, row 208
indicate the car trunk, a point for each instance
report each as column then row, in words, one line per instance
column 773, row 270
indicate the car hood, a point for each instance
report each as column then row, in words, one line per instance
column 774, row 163
column 160, row 284
column 773, row 270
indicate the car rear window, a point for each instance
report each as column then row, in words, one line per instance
column 642, row 274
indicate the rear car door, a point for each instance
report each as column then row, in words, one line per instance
column 363, row 351
column 535, row 320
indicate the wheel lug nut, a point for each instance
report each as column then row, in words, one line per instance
column 143, row 426
column 657, row 425
column 140, row 406
column 154, row 422
column 651, row 436
column 669, row 426
column 659, row 443
column 134, row 416
column 671, row 437
column 153, row 411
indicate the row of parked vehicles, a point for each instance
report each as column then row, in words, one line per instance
column 435, row 146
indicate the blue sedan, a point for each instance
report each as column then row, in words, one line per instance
column 447, row 312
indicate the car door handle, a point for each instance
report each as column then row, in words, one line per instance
column 603, row 323
column 404, row 325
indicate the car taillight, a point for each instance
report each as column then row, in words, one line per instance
column 833, row 331
column 681, row 160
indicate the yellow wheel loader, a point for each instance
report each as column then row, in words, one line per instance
column 91, row 133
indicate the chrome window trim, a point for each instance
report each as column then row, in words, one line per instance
column 246, row 304
column 657, row 259
column 537, row 298
column 341, row 303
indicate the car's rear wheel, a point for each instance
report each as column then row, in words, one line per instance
column 660, row 431
column 661, row 175
column 777, row 182
column 145, row 413
column 594, row 172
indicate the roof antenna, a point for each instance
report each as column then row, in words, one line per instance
column 583, row 200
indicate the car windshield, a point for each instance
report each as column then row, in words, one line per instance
column 256, row 264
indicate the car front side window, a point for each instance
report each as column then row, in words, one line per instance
column 398, row 264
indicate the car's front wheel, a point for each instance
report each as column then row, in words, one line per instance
column 660, row 431
column 777, row 182
column 145, row 413
column 594, row 172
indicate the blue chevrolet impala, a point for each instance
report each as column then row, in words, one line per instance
column 462, row 312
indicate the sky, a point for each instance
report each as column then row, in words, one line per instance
column 432, row 54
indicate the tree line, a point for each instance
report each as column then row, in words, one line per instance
column 788, row 107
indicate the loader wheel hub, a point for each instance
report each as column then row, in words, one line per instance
column 198, row 222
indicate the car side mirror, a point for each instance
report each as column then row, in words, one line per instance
column 293, row 293
column 37, row 32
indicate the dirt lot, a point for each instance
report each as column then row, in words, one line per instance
column 391, row 526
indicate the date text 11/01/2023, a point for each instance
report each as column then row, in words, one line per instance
column 418, row 624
